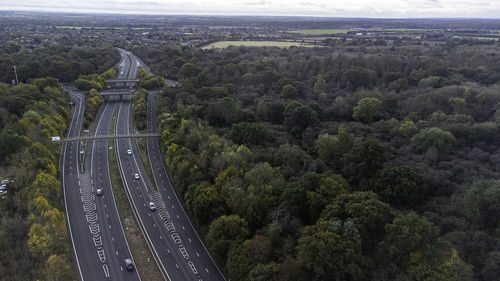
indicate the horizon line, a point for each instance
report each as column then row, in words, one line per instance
column 126, row 13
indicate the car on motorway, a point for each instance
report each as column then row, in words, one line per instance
column 129, row 264
column 136, row 176
column 98, row 191
column 152, row 206
column 3, row 189
column 129, row 151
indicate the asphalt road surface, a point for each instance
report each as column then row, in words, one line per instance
column 96, row 234
column 175, row 244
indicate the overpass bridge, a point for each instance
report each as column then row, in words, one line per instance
column 122, row 83
column 117, row 93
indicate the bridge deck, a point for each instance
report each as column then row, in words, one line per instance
column 122, row 80
column 116, row 93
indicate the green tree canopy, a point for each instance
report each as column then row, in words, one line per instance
column 365, row 109
column 331, row 251
column 401, row 186
column 225, row 233
column 433, row 137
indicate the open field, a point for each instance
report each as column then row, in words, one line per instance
column 321, row 31
column 100, row 27
column 281, row 44
column 405, row 29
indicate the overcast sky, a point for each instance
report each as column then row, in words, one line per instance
column 329, row 8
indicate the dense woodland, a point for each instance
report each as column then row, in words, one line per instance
column 346, row 163
column 33, row 235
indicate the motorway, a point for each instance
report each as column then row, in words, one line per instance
column 98, row 242
column 97, row 238
column 175, row 244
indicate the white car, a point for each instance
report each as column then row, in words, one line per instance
column 98, row 191
column 152, row 206
column 129, row 151
column 129, row 264
column 136, row 176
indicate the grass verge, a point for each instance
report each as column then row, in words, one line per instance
column 143, row 258
column 143, row 152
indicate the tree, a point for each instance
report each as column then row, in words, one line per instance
column 364, row 160
column 365, row 109
column 319, row 85
column 292, row 159
column 264, row 185
column 407, row 128
column 366, row 211
column 225, row 233
column 401, row 186
column 433, row 137
column 263, row 272
column 480, row 203
column 11, row 142
column 449, row 267
column 295, row 194
column 358, row 77
column 240, row 261
column 332, row 148
column 205, row 203
column 83, row 84
column 254, row 133
column 331, row 251
column 288, row 91
column 298, row 117
column 58, row 268
column 328, row 189
column 222, row 112
column 291, row 270
column 38, row 241
column 46, row 185
column 491, row 269
column 407, row 235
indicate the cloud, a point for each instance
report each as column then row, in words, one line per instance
column 257, row 3
column 337, row 8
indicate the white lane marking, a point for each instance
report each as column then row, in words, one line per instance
column 197, row 254
column 206, row 270
column 106, row 270
column 116, row 253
